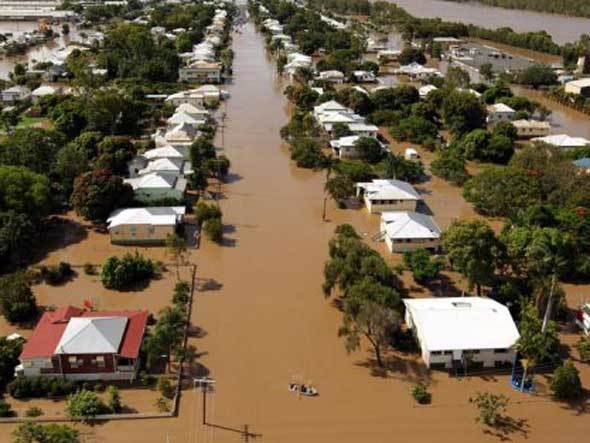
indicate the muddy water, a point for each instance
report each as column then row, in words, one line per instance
column 266, row 322
column 562, row 29
column 37, row 53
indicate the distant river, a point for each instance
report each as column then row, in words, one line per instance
column 563, row 29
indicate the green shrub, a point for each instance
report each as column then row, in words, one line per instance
column 34, row 412
column 420, row 393
column 89, row 269
column 181, row 294
column 165, row 387
column 423, row 267
column 121, row 273
column 114, row 399
column 85, row 404
column 146, row 379
column 6, row 409
column 55, row 275
column 162, row 404
column 214, row 230
column 566, row 384
column 204, row 212
column 583, row 347
column 17, row 301
column 40, row 387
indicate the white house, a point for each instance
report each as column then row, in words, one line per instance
column 157, row 186
column 417, row 71
column 144, row 225
column 362, row 129
column 166, row 151
column 45, row 90
column 579, row 87
column 193, row 111
column 388, row 55
column 456, row 331
column 388, row 195
column 181, row 135
column 563, row 141
column 332, row 76
column 364, row 76
column 179, row 118
column 407, row 231
column 500, row 112
column 15, row 94
column 531, row 128
column 425, row 90
column 201, row 71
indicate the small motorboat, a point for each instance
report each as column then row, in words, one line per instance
column 307, row 390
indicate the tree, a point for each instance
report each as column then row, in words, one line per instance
column 214, row 229
column 375, row 322
column 25, row 192
column 114, row 152
column 98, row 193
column 30, row 432
column 17, row 302
column 397, row 167
column 9, row 357
column 472, row 249
column 369, row 149
column 85, row 404
column 70, row 162
column 114, row 399
column 565, row 383
column 414, row 129
column 168, row 334
column 537, row 75
column 33, row 148
column 486, row 71
column 177, row 248
column 450, row 165
column 412, row 55
column 490, row 407
column 339, row 187
column 583, row 347
column 120, row 273
column 462, row 112
column 6, row 409
column 423, row 268
column 457, row 77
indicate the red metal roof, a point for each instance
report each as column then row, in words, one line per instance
column 51, row 327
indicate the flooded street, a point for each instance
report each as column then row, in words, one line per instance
column 563, row 29
column 265, row 322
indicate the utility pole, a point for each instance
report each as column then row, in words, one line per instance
column 206, row 385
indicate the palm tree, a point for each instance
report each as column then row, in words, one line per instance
column 330, row 163
column 392, row 165
column 547, row 255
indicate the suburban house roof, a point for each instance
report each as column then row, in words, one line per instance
column 167, row 165
column 362, row 127
column 380, row 189
column 164, row 152
column 85, row 336
column 581, row 83
column 563, row 140
column 182, row 117
column 500, row 108
column 462, row 323
column 410, row 225
column 156, row 180
column 345, row 142
column 330, row 106
column 158, row 215
column 425, row 90
column 191, row 110
column 44, row 90
column 92, row 335
column 531, row 124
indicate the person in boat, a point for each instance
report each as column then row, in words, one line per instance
column 293, row 386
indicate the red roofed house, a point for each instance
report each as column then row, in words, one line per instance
column 85, row 345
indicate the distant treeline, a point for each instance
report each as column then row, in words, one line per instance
column 383, row 13
column 580, row 8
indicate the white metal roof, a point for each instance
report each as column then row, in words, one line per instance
column 159, row 216
column 380, row 189
column 563, row 141
column 165, row 152
column 500, row 108
column 580, row 83
column 152, row 180
column 92, row 335
column 462, row 323
column 409, row 225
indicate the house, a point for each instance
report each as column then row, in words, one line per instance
column 15, row 94
column 364, row 76
column 181, row 135
column 156, row 186
column 179, row 118
column 531, row 128
column 388, row 195
column 447, row 42
column 457, row 331
column 388, row 55
column 411, row 154
column 344, row 147
column 85, row 345
column 583, row 164
column 193, row 111
column 425, row 90
column 578, row 87
column 201, row 71
column 142, row 226
column 190, row 97
column 407, row 231
column 167, row 151
column 376, row 45
column 417, row 71
column 362, row 129
column 500, row 112
column 45, row 90
column 176, row 166
column 562, row 141
column 333, row 76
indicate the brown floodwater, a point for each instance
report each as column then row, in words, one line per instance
column 563, row 29
column 36, row 53
column 266, row 323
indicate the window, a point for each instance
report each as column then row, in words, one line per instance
column 435, row 352
column 100, row 361
column 500, row 351
column 151, row 229
column 73, row 361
